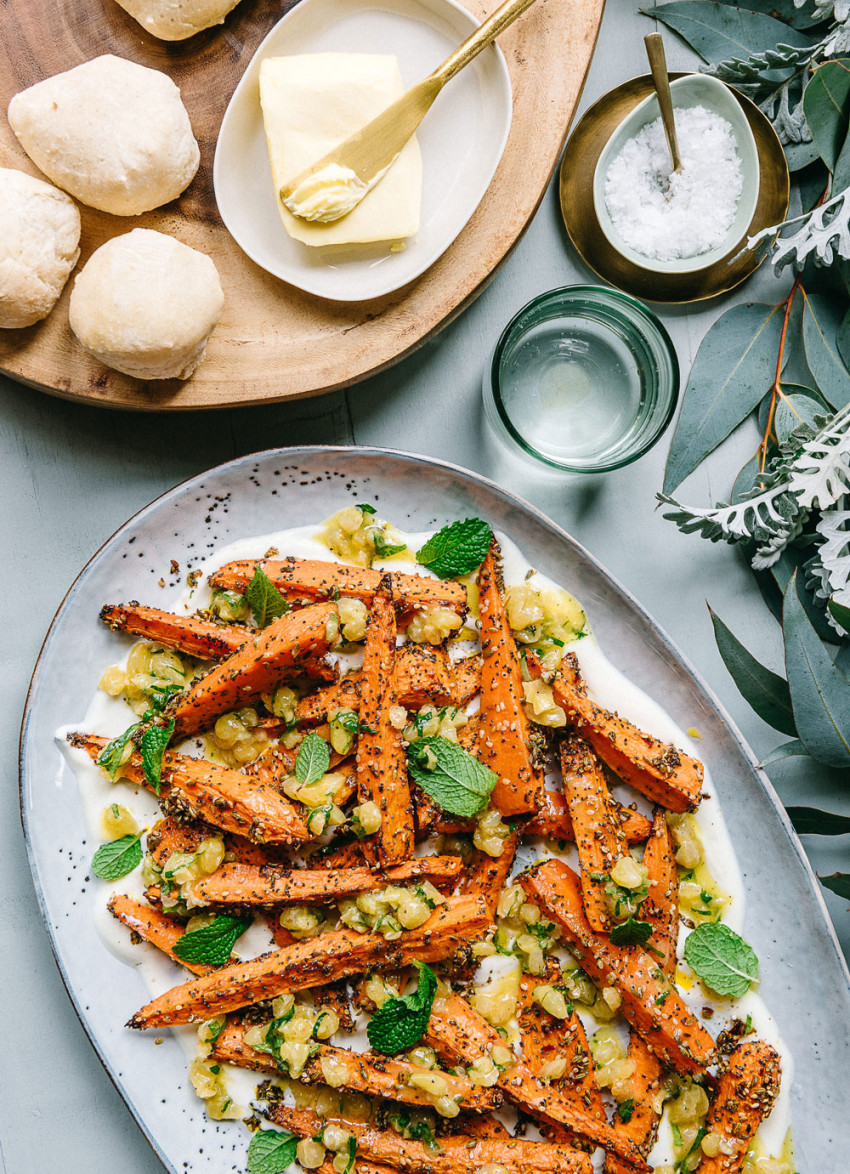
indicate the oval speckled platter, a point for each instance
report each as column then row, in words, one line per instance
column 805, row 980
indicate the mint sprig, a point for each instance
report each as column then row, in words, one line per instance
column 456, row 781
column 631, row 933
column 111, row 756
column 212, row 944
column 457, row 549
column 118, row 858
column 312, row 760
column 152, row 745
column 722, row 959
column 264, row 599
column 271, row 1152
column 401, row 1022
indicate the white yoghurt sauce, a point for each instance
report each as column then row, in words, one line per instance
column 110, row 716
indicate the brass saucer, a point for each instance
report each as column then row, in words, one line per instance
column 576, row 189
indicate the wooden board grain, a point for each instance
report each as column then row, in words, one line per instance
column 275, row 342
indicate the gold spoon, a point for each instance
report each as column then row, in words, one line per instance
column 658, row 67
column 355, row 165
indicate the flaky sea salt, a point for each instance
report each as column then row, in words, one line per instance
column 666, row 217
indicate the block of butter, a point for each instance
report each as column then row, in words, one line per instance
column 314, row 101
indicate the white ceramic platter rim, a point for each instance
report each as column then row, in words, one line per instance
column 457, row 169
column 811, row 1003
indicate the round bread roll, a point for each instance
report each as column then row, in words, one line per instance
column 39, row 239
column 175, row 20
column 146, row 304
column 112, row 133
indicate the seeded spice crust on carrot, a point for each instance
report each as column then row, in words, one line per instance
column 353, row 908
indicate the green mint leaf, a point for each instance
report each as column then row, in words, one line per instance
column 264, row 599
column 152, row 745
column 313, row 759
column 413, row 1130
column 365, row 509
column 677, row 1135
column 114, row 860
column 457, row 782
column 111, row 755
column 837, row 882
column 384, row 549
column 722, row 959
column 271, row 1152
column 159, row 694
column 625, row 1109
column 352, row 1154
column 401, row 1023
column 212, row 944
column 631, row 933
column 457, row 549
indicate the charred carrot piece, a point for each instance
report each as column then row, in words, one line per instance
column 189, row 634
column 196, row 789
column 349, row 855
column 334, row 996
column 642, row 1123
column 650, row 1003
column 485, row 875
column 465, row 679
column 374, row 1076
column 170, row 835
column 552, row 819
column 460, row 1035
column 345, row 694
column 664, row 774
column 503, row 735
column 599, row 838
column 161, row 931
column 381, row 764
column 328, row 580
column 453, row 1155
column 745, row 1095
column 422, row 675
column 247, row 884
column 661, row 907
column 274, row 654
column 316, row 962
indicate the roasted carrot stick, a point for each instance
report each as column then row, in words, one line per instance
column 344, row 694
column 363, row 1072
column 169, row 835
column 315, row 962
column 329, row 580
column 650, row 1003
column 460, row 1035
column 279, row 651
column 745, row 1095
column 334, row 996
column 503, row 735
column 161, row 931
column 189, row 634
column 664, row 774
column 661, row 907
column 641, row 1121
column 485, row 875
column 196, row 789
column 246, row 884
column 552, row 819
column 599, row 838
column 452, row 1155
column 381, row 764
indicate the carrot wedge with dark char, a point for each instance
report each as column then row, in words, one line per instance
column 641, row 1120
column 661, row 907
column 451, row 1155
column 598, row 835
column 189, row 634
column 651, row 1004
column 196, row 789
column 277, row 652
column 315, row 962
column 745, row 1095
column 301, row 576
column 552, row 819
column 161, row 931
column 247, row 884
column 374, row 1076
column 381, row 763
column 485, row 875
column 460, row 1035
column 503, row 735
column 658, row 770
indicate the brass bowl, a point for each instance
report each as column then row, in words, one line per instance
column 576, row 189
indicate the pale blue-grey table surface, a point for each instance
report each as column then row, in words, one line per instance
column 71, row 475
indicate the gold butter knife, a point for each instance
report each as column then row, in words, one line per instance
column 354, row 166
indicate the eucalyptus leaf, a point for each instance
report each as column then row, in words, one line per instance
column 784, row 10
column 838, row 883
column 840, row 613
column 770, row 593
column 842, row 338
column 826, row 103
column 745, row 479
column 842, row 659
column 792, row 749
column 797, row 405
column 841, row 171
column 720, row 31
column 785, row 566
column 800, row 155
column 765, row 691
column 822, row 318
column 820, row 697
column 734, row 368
column 811, row 821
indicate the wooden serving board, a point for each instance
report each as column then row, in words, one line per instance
column 275, row 342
